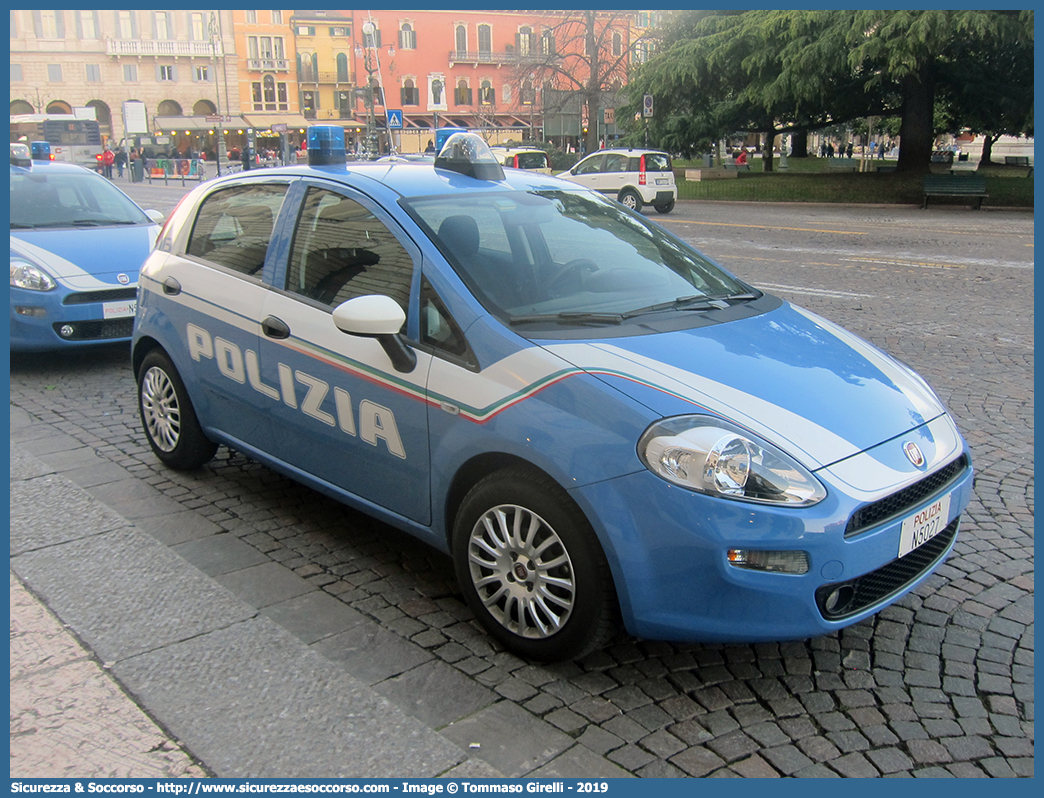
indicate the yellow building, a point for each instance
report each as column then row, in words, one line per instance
column 267, row 76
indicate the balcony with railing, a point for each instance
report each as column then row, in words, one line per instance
column 317, row 78
column 163, row 47
column 268, row 64
column 496, row 59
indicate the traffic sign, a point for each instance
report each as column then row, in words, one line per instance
column 394, row 119
column 647, row 105
column 610, row 116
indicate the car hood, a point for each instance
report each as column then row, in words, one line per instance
column 90, row 258
column 804, row 384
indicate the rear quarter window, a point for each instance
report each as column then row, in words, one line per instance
column 657, row 162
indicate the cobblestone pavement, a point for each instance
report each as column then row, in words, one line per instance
column 940, row 684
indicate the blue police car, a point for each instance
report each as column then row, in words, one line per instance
column 593, row 419
column 77, row 243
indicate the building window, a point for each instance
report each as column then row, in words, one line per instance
column 125, row 24
column 166, row 72
column 305, row 30
column 253, row 53
column 462, row 39
column 306, row 70
column 342, row 68
column 505, row 94
column 527, row 94
column 268, row 83
column 203, row 74
column 130, row 73
column 277, row 17
column 547, row 43
column 255, row 95
column 281, row 97
column 524, row 41
column 462, row 94
column 617, row 44
column 407, row 37
column 93, row 73
column 88, row 24
column 198, row 27
column 309, row 104
column 410, row 92
column 485, row 39
column 49, row 24
column 251, row 17
column 340, row 31
column 16, row 73
column 372, row 39
column 487, row 96
column 54, row 73
column 164, row 25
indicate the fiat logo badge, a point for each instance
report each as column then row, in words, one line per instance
column 122, row 279
column 913, row 453
column 520, row 571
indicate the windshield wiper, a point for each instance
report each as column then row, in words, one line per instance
column 569, row 317
column 696, row 302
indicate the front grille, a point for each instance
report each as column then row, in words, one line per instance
column 905, row 499
column 876, row 586
column 105, row 295
column 96, row 330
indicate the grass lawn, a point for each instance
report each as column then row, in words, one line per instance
column 813, row 180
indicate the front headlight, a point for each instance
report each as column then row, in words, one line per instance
column 716, row 457
column 30, row 276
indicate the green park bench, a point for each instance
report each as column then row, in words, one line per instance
column 739, row 167
column 973, row 186
column 887, row 167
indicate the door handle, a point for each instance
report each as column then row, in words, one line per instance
column 171, row 287
column 275, row 328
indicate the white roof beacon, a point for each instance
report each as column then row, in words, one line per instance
column 469, row 155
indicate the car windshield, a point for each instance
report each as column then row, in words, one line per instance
column 50, row 199
column 540, row 254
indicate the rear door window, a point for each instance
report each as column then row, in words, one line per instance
column 233, row 227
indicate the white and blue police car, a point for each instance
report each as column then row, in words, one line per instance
column 593, row 419
column 77, row 243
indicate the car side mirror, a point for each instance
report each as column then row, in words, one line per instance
column 380, row 317
column 156, row 216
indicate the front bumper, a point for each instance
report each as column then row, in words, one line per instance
column 668, row 551
column 38, row 318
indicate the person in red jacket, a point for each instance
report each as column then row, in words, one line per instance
column 741, row 159
column 108, row 159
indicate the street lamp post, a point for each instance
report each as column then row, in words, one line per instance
column 215, row 43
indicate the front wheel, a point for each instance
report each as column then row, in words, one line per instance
column 629, row 199
column 667, row 207
column 167, row 415
column 531, row 568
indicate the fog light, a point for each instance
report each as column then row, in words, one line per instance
column 782, row 562
column 839, row 600
column 66, row 331
column 24, row 310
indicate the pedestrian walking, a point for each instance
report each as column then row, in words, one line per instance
column 120, row 161
column 108, row 159
column 848, row 150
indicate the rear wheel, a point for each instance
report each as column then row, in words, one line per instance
column 167, row 415
column 531, row 568
column 667, row 207
column 629, row 199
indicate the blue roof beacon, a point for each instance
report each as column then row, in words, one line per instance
column 326, row 145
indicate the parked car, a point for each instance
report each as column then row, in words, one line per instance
column 590, row 417
column 634, row 177
column 77, row 243
column 524, row 158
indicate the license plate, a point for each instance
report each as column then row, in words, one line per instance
column 119, row 310
column 662, row 181
column 921, row 527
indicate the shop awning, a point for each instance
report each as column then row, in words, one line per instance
column 195, row 123
column 265, row 121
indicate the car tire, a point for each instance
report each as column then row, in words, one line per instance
column 630, row 198
column 167, row 415
column 531, row 567
column 665, row 208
